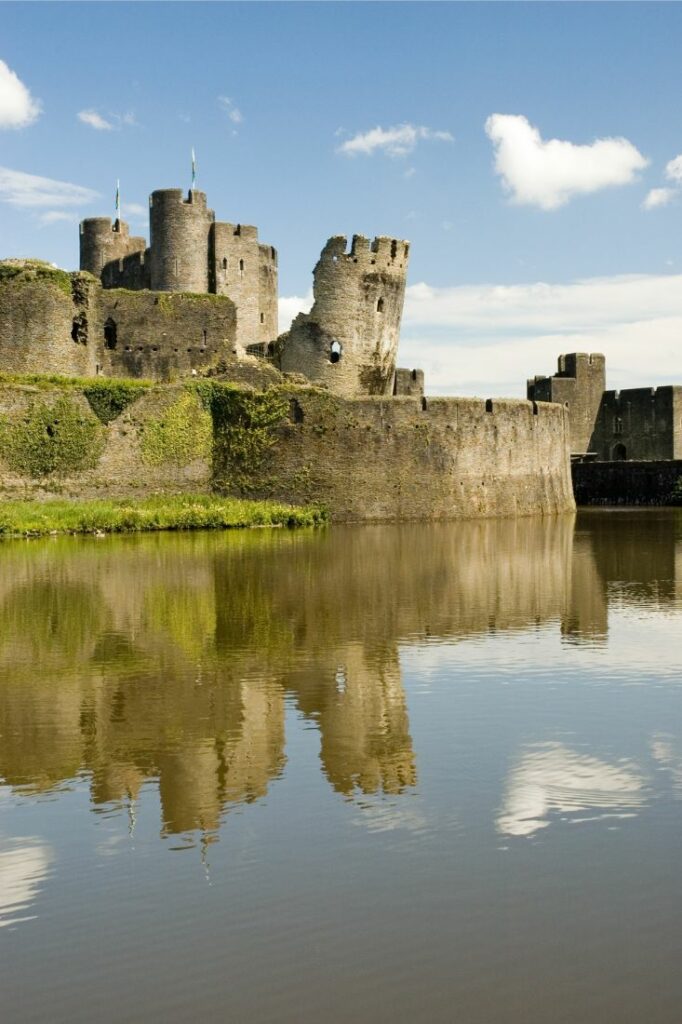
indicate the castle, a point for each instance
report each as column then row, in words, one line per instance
column 201, row 299
column 635, row 424
column 195, row 310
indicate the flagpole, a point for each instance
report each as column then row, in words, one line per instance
column 118, row 200
column 194, row 169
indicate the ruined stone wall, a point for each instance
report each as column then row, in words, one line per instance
column 408, row 458
column 60, row 323
column 349, row 340
column 579, row 385
column 368, row 459
column 162, row 336
column 179, row 241
column 267, row 294
column 102, row 242
column 44, row 319
column 640, row 423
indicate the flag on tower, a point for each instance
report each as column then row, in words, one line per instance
column 118, row 199
column 194, row 168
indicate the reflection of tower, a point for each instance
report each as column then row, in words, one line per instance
column 586, row 617
column 234, row 763
column 364, row 727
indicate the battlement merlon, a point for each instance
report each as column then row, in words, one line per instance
column 383, row 253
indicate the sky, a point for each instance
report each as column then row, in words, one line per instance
column 531, row 153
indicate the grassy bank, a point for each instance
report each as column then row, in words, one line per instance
column 182, row 512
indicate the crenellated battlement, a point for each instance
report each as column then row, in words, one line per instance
column 381, row 254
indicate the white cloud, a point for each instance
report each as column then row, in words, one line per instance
column 290, row 306
column 397, row 141
column 549, row 173
column 487, row 339
column 95, row 120
column 550, row 778
column 673, row 169
column 23, row 872
column 658, row 197
column 233, row 112
column 56, row 217
column 135, row 210
column 18, row 108
column 30, row 190
column 115, row 122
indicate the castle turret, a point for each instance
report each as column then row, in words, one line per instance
column 349, row 340
column 179, row 244
column 102, row 242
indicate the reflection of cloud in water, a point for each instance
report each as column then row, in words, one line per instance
column 665, row 749
column 391, row 817
column 23, row 869
column 551, row 778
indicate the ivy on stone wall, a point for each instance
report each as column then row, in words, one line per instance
column 243, row 423
column 56, row 437
column 180, row 435
column 109, row 398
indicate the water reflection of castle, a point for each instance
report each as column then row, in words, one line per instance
column 174, row 657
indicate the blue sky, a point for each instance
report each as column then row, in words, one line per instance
column 279, row 101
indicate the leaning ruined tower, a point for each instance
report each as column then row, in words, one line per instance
column 349, row 340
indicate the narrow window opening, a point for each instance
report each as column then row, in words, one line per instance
column 79, row 329
column 380, row 306
column 394, row 249
column 424, row 405
column 241, row 268
column 205, row 334
column 110, row 334
column 335, row 353
column 262, row 318
column 295, row 412
column 225, row 263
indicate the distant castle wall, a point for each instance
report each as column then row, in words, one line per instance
column 640, row 424
column 579, row 385
column 381, row 459
column 349, row 340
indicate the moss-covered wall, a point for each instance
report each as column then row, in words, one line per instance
column 113, row 438
column 59, row 323
column 374, row 459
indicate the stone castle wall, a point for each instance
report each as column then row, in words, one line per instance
column 410, row 458
column 579, row 385
column 640, row 424
column 191, row 252
column 59, row 323
column 349, row 340
column 365, row 459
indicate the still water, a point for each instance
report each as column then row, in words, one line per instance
column 370, row 774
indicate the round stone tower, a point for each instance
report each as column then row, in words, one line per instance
column 102, row 242
column 349, row 340
column 179, row 241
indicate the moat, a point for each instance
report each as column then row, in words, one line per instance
column 378, row 773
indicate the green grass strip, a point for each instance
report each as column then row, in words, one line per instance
column 181, row 512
